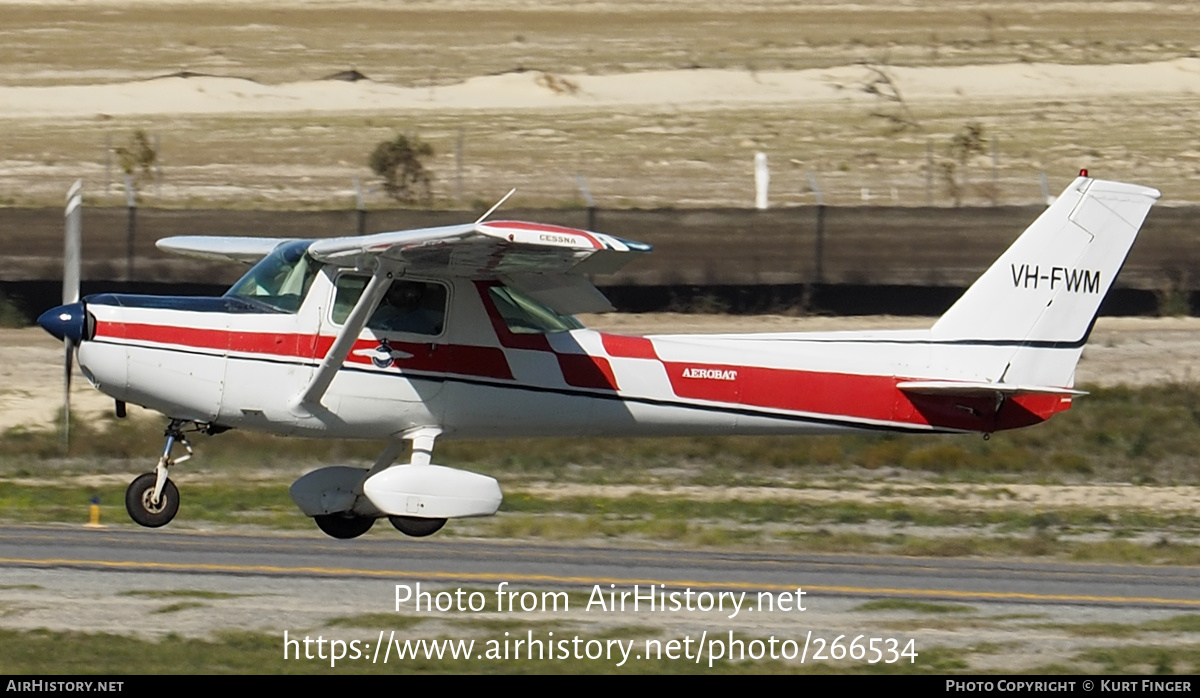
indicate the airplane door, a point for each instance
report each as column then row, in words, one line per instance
column 402, row 353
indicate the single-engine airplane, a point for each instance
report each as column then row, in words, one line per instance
column 466, row 331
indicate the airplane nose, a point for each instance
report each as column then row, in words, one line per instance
column 65, row 321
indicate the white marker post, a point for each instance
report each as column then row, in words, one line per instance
column 762, row 181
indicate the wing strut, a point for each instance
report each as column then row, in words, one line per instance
column 372, row 294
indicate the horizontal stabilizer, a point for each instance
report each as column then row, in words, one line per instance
column 977, row 389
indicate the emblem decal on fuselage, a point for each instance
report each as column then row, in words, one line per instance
column 383, row 355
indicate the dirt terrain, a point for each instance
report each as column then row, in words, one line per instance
column 646, row 104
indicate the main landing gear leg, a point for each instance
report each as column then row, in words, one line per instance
column 422, row 452
column 152, row 500
column 347, row 524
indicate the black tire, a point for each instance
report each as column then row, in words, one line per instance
column 343, row 525
column 416, row 527
column 138, row 501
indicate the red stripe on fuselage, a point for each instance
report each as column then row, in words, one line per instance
column 854, row 396
column 622, row 347
column 838, row 395
column 467, row 360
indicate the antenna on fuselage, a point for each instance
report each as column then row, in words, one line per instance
column 499, row 203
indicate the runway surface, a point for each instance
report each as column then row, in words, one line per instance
column 448, row 561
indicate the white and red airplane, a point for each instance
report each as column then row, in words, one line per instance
column 466, row 332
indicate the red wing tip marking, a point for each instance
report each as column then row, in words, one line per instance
column 543, row 233
column 533, row 227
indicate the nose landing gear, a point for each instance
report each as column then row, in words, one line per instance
column 152, row 500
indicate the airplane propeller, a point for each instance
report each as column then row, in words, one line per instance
column 70, row 294
column 69, row 320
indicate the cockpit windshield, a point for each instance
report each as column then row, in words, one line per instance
column 281, row 280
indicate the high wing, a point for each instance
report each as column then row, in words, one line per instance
column 547, row 262
column 232, row 249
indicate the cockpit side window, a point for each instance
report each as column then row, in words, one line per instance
column 413, row 307
column 281, row 280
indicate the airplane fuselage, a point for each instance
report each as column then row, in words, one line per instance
column 485, row 374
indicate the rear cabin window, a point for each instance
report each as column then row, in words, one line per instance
column 524, row 315
column 412, row 307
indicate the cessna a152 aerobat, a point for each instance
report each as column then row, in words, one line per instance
column 466, row 332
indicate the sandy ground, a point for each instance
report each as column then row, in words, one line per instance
column 1122, row 351
column 540, row 90
column 659, row 103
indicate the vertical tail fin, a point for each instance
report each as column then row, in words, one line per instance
column 1041, row 296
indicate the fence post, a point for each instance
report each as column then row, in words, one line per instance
column 458, row 168
column 360, row 207
column 591, row 203
column 131, row 225
column 762, row 181
column 995, row 174
column 929, row 173
column 819, row 244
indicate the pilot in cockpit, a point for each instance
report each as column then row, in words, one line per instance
column 410, row 306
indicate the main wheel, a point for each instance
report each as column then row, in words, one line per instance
column 139, row 501
column 416, row 527
column 343, row 525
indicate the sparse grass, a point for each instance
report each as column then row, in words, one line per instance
column 181, row 593
column 375, row 621
column 936, row 496
column 1187, row 623
column 180, row 606
column 915, row 606
column 1144, row 659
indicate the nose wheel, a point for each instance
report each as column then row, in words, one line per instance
column 152, row 500
column 147, row 510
